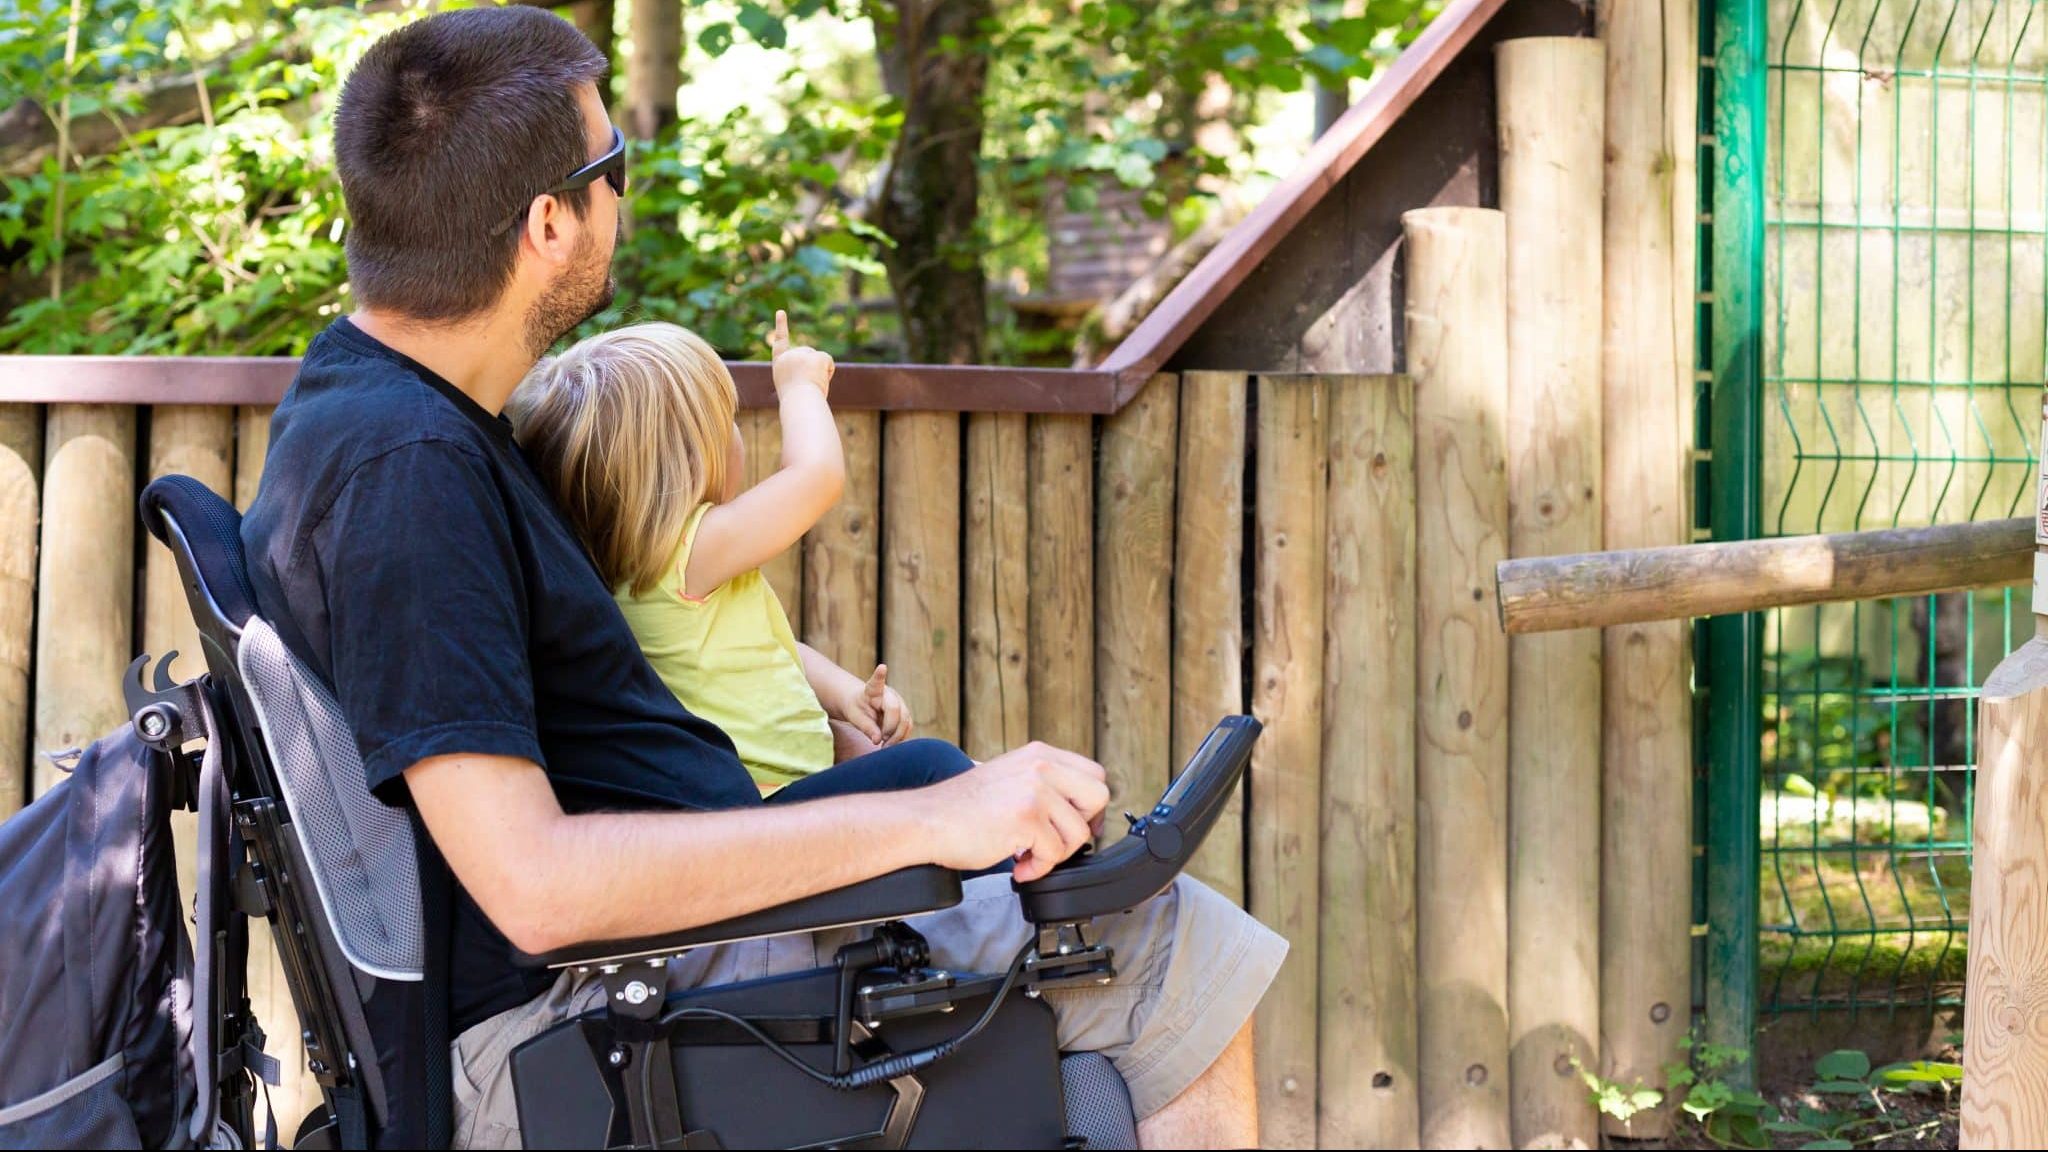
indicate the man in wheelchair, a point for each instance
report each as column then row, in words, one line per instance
column 406, row 554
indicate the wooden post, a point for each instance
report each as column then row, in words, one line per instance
column 921, row 579
column 1456, row 322
column 1550, row 92
column 2005, row 1073
column 1062, row 640
column 1208, row 595
column 761, row 430
column 1284, row 867
column 85, row 587
column 193, row 441
column 1647, row 361
column 252, row 444
column 996, row 706
column 841, row 607
column 21, row 465
column 1133, row 599
column 1367, row 1061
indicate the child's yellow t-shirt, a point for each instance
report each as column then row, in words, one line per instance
column 731, row 659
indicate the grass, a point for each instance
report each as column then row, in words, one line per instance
column 1876, row 927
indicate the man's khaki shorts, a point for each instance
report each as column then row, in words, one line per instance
column 1191, row 966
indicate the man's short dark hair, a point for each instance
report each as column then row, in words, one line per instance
column 446, row 129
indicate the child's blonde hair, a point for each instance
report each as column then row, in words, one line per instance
column 629, row 430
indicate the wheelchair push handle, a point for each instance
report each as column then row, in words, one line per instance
column 1160, row 843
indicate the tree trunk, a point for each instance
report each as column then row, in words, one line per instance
column 929, row 200
column 656, row 70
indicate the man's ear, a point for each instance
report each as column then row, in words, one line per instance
column 548, row 231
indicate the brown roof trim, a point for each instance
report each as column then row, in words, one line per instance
column 1162, row 332
column 263, row 379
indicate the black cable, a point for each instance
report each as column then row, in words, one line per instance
column 885, row 1069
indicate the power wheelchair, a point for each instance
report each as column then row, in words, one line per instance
column 876, row 1050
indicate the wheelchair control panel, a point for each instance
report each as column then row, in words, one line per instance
column 1160, row 843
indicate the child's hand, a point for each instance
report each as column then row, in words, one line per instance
column 877, row 710
column 798, row 364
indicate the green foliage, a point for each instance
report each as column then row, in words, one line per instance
column 216, row 236
column 1827, row 720
column 222, row 233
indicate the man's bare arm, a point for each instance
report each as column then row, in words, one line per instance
column 548, row 879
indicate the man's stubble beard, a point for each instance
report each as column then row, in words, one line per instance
column 578, row 295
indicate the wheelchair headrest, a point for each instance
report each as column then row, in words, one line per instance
column 205, row 532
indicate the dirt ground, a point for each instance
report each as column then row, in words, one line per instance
column 1789, row 1046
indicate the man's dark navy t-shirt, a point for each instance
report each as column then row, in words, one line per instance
column 407, row 552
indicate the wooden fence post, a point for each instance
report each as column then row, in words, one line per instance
column 841, row 606
column 2005, row 1076
column 193, row 441
column 1647, row 381
column 1284, row 866
column 252, row 444
column 1456, row 317
column 996, row 704
column 85, row 586
column 921, row 576
column 1367, row 1067
column 21, row 466
column 1062, row 637
column 1551, row 126
column 761, row 430
column 1133, row 597
column 1208, row 595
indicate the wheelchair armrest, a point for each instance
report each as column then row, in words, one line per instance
column 907, row 892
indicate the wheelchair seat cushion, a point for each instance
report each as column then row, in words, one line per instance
column 359, row 850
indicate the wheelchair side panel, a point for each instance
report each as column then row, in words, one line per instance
column 1001, row 1090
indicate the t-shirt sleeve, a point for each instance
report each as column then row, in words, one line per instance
column 427, row 613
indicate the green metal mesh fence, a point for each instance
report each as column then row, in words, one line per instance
column 1906, row 199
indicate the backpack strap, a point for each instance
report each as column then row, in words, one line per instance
column 213, row 803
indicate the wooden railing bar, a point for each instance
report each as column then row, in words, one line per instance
column 256, row 380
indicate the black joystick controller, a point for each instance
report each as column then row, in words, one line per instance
column 1161, row 842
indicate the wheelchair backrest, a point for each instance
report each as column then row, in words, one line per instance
column 297, row 770
column 359, row 851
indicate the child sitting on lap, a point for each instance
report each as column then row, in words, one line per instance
column 634, row 432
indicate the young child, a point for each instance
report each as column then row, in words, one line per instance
column 634, row 432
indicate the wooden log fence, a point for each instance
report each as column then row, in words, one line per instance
column 1110, row 589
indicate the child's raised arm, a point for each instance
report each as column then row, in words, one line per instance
column 760, row 523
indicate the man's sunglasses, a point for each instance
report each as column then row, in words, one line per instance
column 610, row 167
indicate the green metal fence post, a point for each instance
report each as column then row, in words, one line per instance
column 1735, row 642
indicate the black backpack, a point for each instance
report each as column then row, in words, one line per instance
column 104, row 1032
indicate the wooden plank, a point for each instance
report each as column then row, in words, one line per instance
column 1284, row 867
column 1134, row 598
column 1367, row 1044
column 1646, row 696
column 1600, row 589
column 195, row 441
column 86, row 578
column 252, row 444
column 996, row 707
column 920, row 624
column 2005, row 1067
column 1648, row 294
column 21, row 468
column 761, row 432
column 262, row 380
column 1062, row 639
column 1551, row 129
column 1208, row 596
column 1457, row 352
column 842, row 607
